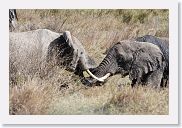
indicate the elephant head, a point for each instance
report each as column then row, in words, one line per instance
column 141, row 60
column 69, row 51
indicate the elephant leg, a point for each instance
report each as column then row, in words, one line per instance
column 166, row 78
column 135, row 82
column 164, row 82
column 155, row 79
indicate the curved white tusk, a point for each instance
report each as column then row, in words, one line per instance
column 95, row 77
column 106, row 76
column 99, row 79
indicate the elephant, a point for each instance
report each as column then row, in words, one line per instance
column 142, row 61
column 163, row 44
column 12, row 19
column 43, row 46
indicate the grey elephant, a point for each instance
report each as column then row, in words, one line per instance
column 142, row 61
column 163, row 44
column 42, row 46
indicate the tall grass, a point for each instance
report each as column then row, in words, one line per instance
column 53, row 90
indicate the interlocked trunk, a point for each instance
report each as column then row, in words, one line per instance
column 108, row 65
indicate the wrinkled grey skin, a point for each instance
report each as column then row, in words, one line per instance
column 12, row 19
column 43, row 46
column 163, row 44
column 142, row 61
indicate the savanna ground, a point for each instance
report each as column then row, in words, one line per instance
column 31, row 93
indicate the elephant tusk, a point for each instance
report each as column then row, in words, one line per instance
column 95, row 77
column 99, row 79
column 106, row 76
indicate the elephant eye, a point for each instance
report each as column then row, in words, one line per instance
column 120, row 59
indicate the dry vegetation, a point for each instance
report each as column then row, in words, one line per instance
column 60, row 91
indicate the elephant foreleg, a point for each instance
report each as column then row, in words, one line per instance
column 164, row 82
column 155, row 78
column 135, row 82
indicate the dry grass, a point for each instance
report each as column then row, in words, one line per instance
column 53, row 90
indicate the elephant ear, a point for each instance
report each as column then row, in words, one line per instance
column 80, row 56
column 68, row 38
column 145, row 60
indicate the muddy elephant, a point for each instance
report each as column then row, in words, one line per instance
column 163, row 44
column 142, row 61
column 43, row 46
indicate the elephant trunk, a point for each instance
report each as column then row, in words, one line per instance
column 107, row 67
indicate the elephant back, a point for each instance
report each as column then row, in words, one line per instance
column 25, row 43
column 162, row 43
